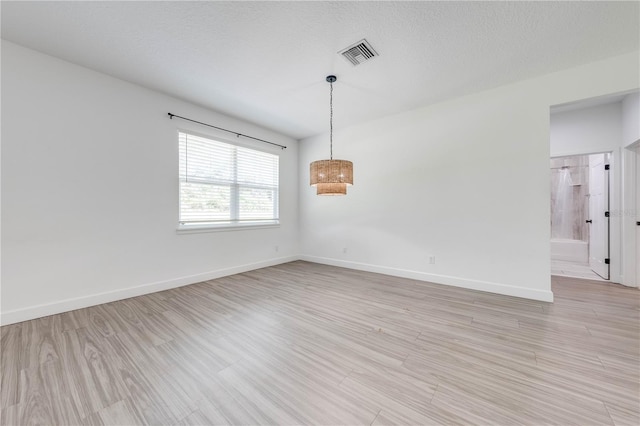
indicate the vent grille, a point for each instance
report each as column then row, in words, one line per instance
column 359, row 52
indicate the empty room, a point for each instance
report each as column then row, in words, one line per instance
column 320, row 213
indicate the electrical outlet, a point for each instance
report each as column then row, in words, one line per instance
column 432, row 260
column 277, row 248
column 344, row 250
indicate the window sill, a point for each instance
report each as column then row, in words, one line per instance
column 197, row 229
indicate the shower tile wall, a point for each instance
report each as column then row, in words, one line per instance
column 579, row 170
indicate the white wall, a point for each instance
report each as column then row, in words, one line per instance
column 631, row 119
column 586, row 130
column 465, row 180
column 90, row 191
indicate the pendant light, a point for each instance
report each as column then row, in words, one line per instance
column 331, row 177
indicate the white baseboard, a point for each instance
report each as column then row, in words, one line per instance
column 491, row 287
column 38, row 311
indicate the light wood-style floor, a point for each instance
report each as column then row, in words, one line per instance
column 302, row 343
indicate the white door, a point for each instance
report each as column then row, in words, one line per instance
column 598, row 207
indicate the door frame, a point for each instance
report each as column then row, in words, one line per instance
column 630, row 213
column 599, row 216
column 615, row 207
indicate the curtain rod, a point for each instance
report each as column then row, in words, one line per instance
column 225, row 130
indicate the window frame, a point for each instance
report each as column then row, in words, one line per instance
column 235, row 187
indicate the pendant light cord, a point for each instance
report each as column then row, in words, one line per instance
column 331, row 120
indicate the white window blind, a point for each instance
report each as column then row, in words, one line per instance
column 223, row 184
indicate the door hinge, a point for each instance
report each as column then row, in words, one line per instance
column 606, row 167
column 606, row 261
column 606, row 214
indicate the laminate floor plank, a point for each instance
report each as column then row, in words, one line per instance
column 388, row 417
column 424, row 413
column 197, row 418
column 34, row 407
column 488, row 389
column 303, row 343
column 123, row 412
column 55, row 388
column 623, row 416
column 222, row 398
column 564, row 384
column 10, row 365
column 150, row 370
column 475, row 409
column 258, row 389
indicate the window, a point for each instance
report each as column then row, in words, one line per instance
column 225, row 185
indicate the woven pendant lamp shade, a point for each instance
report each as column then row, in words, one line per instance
column 331, row 171
column 331, row 189
column 331, row 177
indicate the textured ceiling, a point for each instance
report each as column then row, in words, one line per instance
column 266, row 61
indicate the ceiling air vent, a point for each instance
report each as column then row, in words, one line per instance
column 359, row 52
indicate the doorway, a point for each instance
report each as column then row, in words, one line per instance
column 580, row 216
